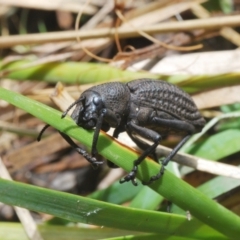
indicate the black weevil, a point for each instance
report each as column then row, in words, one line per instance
column 144, row 108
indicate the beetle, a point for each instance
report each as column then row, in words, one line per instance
column 144, row 108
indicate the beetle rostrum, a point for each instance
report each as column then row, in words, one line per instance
column 144, row 108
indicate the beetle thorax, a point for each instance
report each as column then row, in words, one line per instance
column 115, row 97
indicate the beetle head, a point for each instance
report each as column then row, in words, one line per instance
column 87, row 109
column 113, row 96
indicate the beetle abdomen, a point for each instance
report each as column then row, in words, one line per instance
column 162, row 96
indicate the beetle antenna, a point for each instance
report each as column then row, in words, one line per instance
column 71, row 106
column 42, row 131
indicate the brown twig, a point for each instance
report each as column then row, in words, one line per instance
column 207, row 24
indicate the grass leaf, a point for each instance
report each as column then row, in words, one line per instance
column 169, row 186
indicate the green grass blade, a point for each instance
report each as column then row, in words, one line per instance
column 85, row 210
column 218, row 146
column 169, row 186
column 218, row 186
column 68, row 72
column 116, row 193
column 15, row 231
column 150, row 237
column 213, row 189
column 80, row 72
column 146, row 199
column 203, row 82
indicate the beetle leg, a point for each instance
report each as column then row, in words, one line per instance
column 145, row 133
column 81, row 151
column 110, row 117
column 143, row 145
column 41, row 132
column 174, row 124
column 96, row 132
column 118, row 130
column 106, row 114
column 167, row 159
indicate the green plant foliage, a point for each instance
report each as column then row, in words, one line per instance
column 172, row 188
column 67, row 72
column 214, row 149
column 12, row 231
column 84, row 72
column 116, row 193
column 85, row 210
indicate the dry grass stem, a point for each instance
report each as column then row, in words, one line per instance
column 226, row 32
column 22, row 157
column 217, row 97
column 61, row 98
column 5, row 126
column 72, row 6
column 202, row 164
column 184, row 159
column 160, row 43
column 24, row 215
column 112, row 176
column 208, row 24
column 231, row 35
column 99, row 16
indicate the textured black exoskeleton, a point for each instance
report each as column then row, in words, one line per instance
column 143, row 108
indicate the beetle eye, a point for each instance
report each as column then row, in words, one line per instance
column 96, row 101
